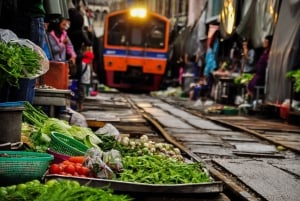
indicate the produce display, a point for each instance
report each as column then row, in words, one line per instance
column 111, row 157
column 37, row 128
column 159, row 169
column 57, row 190
column 71, row 167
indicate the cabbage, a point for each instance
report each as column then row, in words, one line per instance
column 57, row 125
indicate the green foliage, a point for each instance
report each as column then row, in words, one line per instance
column 295, row 74
column 17, row 62
column 243, row 79
column 158, row 169
column 57, row 190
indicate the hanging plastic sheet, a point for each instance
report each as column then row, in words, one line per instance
column 228, row 18
column 285, row 51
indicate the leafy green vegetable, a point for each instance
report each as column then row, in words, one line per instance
column 17, row 62
column 57, row 190
column 295, row 74
column 243, row 79
column 54, row 124
column 158, row 169
column 34, row 115
column 81, row 133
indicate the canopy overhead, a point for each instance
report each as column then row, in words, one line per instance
column 252, row 19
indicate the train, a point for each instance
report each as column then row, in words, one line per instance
column 135, row 49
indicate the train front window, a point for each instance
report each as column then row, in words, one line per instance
column 117, row 30
column 156, row 39
column 155, row 34
column 124, row 31
column 136, row 37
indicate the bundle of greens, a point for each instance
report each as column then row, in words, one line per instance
column 159, row 169
column 294, row 74
column 17, row 61
column 243, row 79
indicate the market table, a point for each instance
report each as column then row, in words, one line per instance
column 52, row 98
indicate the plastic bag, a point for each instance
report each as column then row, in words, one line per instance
column 76, row 118
column 109, row 129
column 113, row 159
column 93, row 160
column 9, row 36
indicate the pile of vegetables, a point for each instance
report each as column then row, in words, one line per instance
column 73, row 166
column 57, row 190
column 159, row 169
column 146, row 146
column 37, row 128
column 243, row 79
column 17, row 61
column 114, row 157
column 139, row 146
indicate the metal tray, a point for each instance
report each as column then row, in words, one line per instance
column 52, row 92
column 131, row 187
column 56, row 97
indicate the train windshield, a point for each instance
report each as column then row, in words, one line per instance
column 129, row 32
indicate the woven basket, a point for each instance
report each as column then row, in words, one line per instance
column 22, row 166
column 66, row 145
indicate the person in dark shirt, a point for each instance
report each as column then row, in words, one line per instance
column 260, row 67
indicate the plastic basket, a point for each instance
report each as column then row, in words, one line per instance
column 22, row 166
column 230, row 111
column 66, row 145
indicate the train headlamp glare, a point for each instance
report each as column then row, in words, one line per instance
column 138, row 12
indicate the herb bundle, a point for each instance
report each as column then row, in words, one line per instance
column 295, row 74
column 17, row 61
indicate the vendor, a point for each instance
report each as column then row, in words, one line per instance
column 260, row 67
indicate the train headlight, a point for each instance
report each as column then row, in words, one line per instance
column 138, row 12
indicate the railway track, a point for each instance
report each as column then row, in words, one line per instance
column 253, row 164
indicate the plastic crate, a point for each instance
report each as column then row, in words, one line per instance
column 22, row 166
column 57, row 76
column 66, row 145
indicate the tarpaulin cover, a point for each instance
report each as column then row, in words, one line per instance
column 285, row 51
column 258, row 19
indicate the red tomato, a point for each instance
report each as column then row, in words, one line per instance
column 78, row 166
column 76, row 159
column 83, row 171
column 67, row 162
column 62, row 166
column 55, row 169
column 70, row 169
